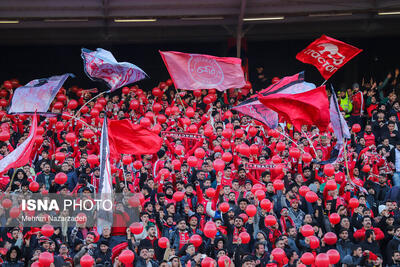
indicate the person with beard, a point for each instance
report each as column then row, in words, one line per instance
column 344, row 244
column 234, row 230
column 151, row 241
column 44, row 158
column 103, row 253
column 367, row 225
column 180, row 237
column 368, row 136
column 260, row 254
column 393, row 245
column 46, row 177
column 71, row 174
column 391, row 133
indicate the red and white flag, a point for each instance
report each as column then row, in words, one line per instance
column 21, row 155
column 328, row 55
column 195, row 71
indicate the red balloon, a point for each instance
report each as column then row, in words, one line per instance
column 137, row 164
column 227, row 133
column 329, row 170
column 306, row 158
column 252, row 131
column 331, row 185
column 244, row 149
column 165, row 172
column 239, row 133
column 145, row 122
column 222, row 260
column 161, row 118
column 190, row 112
column 34, row 186
column 245, row 237
column 7, row 85
column 294, row 153
column 224, row 207
column 47, row 230
column 58, row 105
column 270, row 220
column 14, row 212
column 227, row 157
column 59, row 125
column 60, row 178
column 278, row 254
column 87, row 261
column 311, row 196
column 192, row 129
column 219, row 165
column 303, row 190
column 314, row 242
column 40, row 131
column 199, row 153
column 210, row 230
column 70, row 137
column 136, row 228
column 72, row 104
column 176, row 164
column 178, row 196
column 81, row 218
column 157, row 107
column 307, row 258
column 169, row 82
column 175, row 110
column 192, row 161
column 353, row 203
column 88, row 133
column 210, row 192
column 39, row 139
column 3, row 102
column 356, row 128
column 251, row 210
column 163, row 242
column 126, row 257
column 330, row 238
column 179, row 150
column 260, row 194
column 280, row 146
column 322, row 260
column 92, row 159
column 208, row 262
column 307, row 230
column 254, row 150
column 334, row 256
column 366, row 168
column 275, row 80
column 197, row 93
column 45, row 259
column 278, row 184
column 125, row 90
column 156, row 91
column 244, row 217
column 273, row 133
column 208, row 131
column 266, row 204
column 334, row 218
column 4, row 136
column 196, row 240
column 127, row 160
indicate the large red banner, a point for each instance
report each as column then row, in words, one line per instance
column 195, row 71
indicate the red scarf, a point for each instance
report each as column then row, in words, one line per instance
column 283, row 223
column 236, row 233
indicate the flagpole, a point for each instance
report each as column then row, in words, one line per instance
column 123, row 172
column 75, row 118
column 323, row 83
column 177, row 93
column 93, row 98
column 345, row 160
column 290, row 139
column 309, row 140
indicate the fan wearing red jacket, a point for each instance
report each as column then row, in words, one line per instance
column 359, row 235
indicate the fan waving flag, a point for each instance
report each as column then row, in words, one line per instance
column 128, row 138
column 307, row 108
column 21, row 155
column 328, row 55
column 101, row 65
column 339, row 124
column 288, row 85
column 195, row 71
column 105, row 214
column 37, row 95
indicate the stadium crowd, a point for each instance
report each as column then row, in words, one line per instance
column 232, row 192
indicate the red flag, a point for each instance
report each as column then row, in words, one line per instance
column 308, row 108
column 195, row 71
column 21, row 155
column 128, row 138
column 328, row 55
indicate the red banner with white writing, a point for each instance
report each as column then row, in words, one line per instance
column 328, row 55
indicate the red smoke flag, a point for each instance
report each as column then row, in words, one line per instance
column 328, row 55
column 308, row 108
column 128, row 138
column 21, row 155
column 195, row 71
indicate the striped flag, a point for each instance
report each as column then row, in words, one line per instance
column 105, row 216
column 288, row 85
column 339, row 124
column 21, row 155
column 101, row 65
